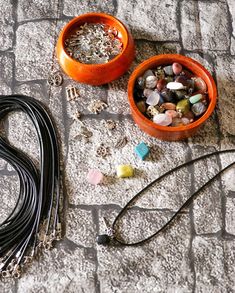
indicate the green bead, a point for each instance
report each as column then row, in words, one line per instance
column 196, row 98
column 183, row 106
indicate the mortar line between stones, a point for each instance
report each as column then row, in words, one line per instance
column 95, row 216
column 118, row 207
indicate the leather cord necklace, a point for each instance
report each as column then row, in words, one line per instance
column 111, row 234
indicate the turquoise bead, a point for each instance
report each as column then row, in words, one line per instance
column 142, row 150
column 196, row 98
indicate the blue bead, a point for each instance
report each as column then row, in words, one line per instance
column 142, row 150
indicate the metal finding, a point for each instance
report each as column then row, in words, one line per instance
column 55, row 79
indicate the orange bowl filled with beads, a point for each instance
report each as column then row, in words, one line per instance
column 171, row 96
column 95, row 48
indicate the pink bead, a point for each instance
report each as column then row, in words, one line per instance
column 171, row 113
column 177, row 68
column 94, row 176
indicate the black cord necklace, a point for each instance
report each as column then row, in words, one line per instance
column 105, row 239
column 38, row 202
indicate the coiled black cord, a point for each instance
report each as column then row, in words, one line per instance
column 37, row 205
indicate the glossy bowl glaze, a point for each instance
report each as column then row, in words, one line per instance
column 96, row 74
column 167, row 132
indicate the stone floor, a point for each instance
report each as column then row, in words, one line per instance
column 197, row 253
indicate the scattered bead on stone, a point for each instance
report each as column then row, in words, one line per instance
column 177, row 68
column 95, row 176
column 198, row 108
column 150, row 82
column 124, row 171
column 97, row 106
column 162, row 119
column 142, row 150
column 55, row 79
column 103, row 239
column 153, row 98
column 72, row 93
column 171, row 91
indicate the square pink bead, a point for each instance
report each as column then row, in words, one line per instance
column 94, row 176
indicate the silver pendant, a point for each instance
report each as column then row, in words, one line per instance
column 72, row 93
column 55, row 79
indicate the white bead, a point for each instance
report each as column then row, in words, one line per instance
column 175, row 86
column 162, row 119
column 150, row 82
column 153, row 99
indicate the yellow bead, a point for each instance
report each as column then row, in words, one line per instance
column 124, row 171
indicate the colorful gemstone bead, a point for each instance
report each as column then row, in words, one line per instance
column 140, row 82
column 177, row 68
column 180, row 94
column 175, row 86
column 142, row 150
column 148, row 73
column 161, row 84
column 153, row 98
column 167, row 95
column 168, row 70
column 124, row 171
column 196, row 98
column 141, row 106
column 176, row 122
column 169, row 106
column 94, row 176
column 198, row 108
column 162, row 119
column 183, row 106
column 171, row 113
column 147, row 92
column 200, row 84
column 150, row 82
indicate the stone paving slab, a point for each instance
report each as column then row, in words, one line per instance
column 197, row 252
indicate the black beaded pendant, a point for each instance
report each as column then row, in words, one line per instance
column 103, row 239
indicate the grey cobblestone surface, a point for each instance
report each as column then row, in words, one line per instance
column 197, row 252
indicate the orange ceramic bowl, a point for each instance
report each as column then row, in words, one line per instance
column 96, row 74
column 167, row 132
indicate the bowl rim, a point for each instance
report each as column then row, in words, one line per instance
column 84, row 17
column 178, row 57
